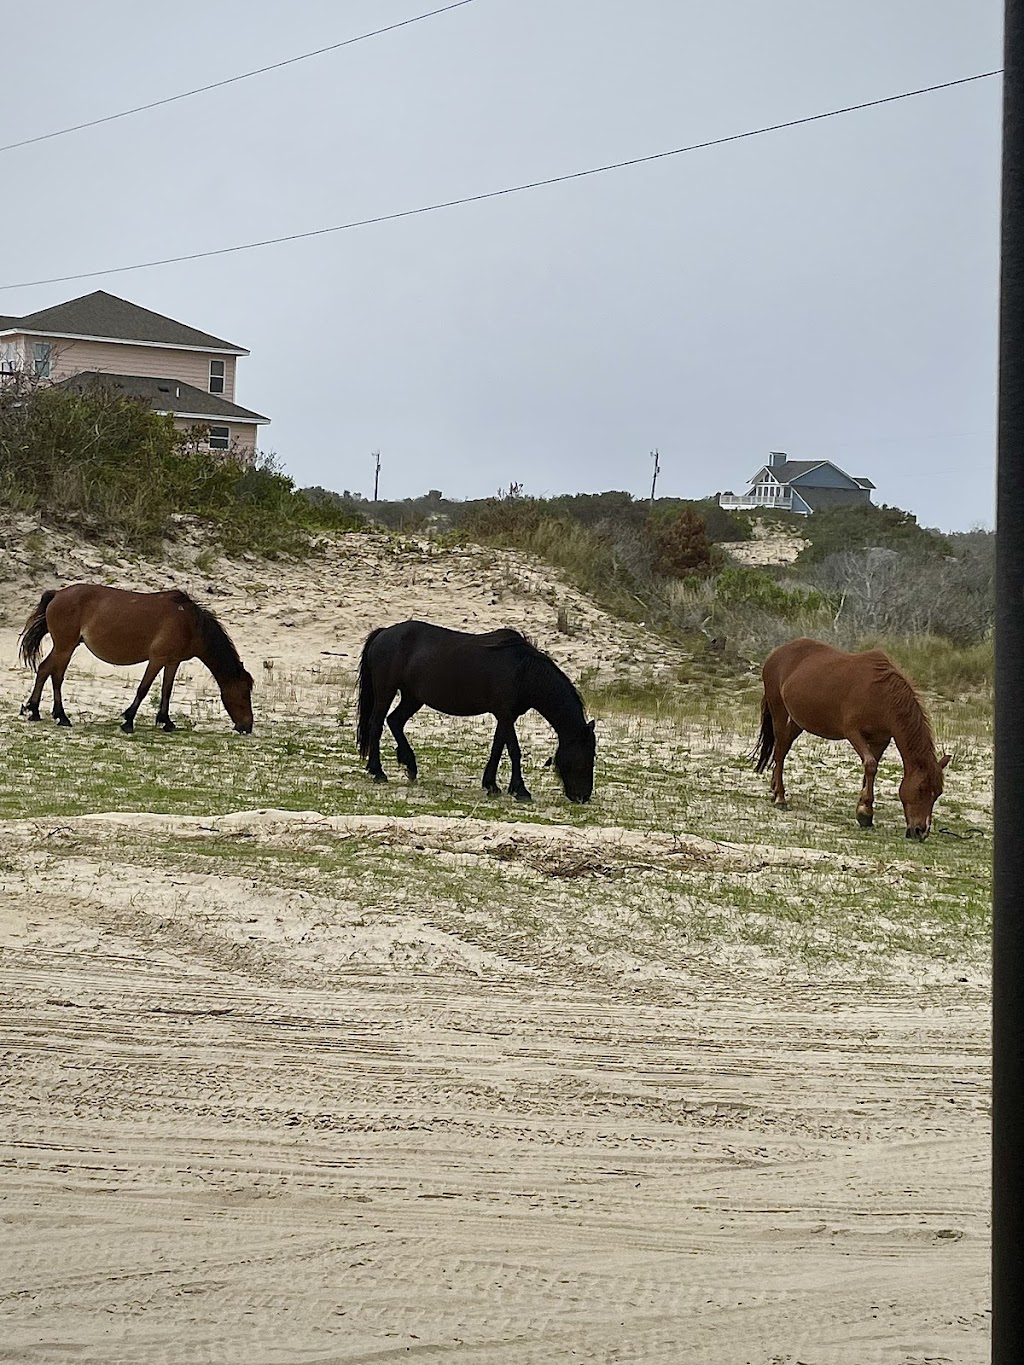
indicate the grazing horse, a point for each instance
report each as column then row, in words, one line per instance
column 860, row 697
column 159, row 629
column 463, row 674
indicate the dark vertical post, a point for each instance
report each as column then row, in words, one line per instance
column 654, row 476
column 376, row 473
column 1008, row 910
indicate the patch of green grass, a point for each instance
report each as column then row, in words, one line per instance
column 683, row 769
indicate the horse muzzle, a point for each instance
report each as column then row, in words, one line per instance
column 918, row 832
column 243, row 729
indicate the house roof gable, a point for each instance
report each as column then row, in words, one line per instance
column 165, row 395
column 794, row 470
column 109, row 318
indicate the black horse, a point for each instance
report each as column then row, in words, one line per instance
column 468, row 675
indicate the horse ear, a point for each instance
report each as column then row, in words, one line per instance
column 945, row 759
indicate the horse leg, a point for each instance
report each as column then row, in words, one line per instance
column 869, row 755
column 786, row 732
column 163, row 715
column 404, row 711
column 152, row 669
column 517, row 787
column 58, row 668
column 490, row 780
column 380, row 710
column 31, row 707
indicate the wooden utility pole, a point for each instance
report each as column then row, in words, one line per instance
column 654, row 476
column 376, row 473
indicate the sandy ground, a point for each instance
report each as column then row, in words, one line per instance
column 243, row 1123
column 767, row 547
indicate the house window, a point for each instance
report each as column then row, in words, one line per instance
column 216, row 376
column 219, row 438
column 41, row 353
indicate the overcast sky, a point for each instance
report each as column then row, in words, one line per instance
column 827, row 290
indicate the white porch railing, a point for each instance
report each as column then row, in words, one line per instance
column 739, row 502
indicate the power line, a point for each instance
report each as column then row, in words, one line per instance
column 509, row 189
column 233, row 80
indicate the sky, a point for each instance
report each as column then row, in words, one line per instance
column 829, row 290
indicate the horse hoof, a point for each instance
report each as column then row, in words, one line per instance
column 522, row 795
column 379, row 777
column 864, row 820
column 168, row 726
column 780, row 805
column 128, row 727
column 27, row 711
column 63, row 722
column 493, row 791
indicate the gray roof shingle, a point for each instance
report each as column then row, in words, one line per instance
column 163, row 395
column 792, row 469
column 105, row 315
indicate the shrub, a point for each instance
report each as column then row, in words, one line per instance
column 681, row 544
column 508, row 518
column 864, row 526
column 881, row 590
column 739, row 586
column 103, row 461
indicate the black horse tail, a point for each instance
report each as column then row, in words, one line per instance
column 765, row 746
column 366, row 695
column 35, row 632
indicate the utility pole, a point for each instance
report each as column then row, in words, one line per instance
column 654, row 477
column 376, row 473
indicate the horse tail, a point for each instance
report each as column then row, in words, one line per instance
column 765, row 746
column 366, row 694
column 35, row 632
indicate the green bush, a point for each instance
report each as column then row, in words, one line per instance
column 100, row 461
column 738, row 586
column 864, row 526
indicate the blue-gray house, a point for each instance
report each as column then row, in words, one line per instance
column 802, row 486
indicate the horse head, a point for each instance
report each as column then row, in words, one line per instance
column 236, row 695
column 573, row 761
column 920, row 789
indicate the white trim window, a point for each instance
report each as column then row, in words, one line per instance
column 217, row 376
column 42, row 355
column 219, row 438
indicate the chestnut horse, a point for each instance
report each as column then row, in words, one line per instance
column 159, row 629
column 860, row 697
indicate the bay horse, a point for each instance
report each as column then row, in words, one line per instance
column 464, row 674
column 863, row 698
column 159, row 629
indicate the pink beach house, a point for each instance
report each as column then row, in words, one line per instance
column 174, row 368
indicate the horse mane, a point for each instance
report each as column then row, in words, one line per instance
column 218, row 650
column 908, row 707
column 538, row 663
column 541, row 665
column 504, row 637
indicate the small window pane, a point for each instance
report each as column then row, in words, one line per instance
column 216, row 376
column 219, row 438
column 41, row 359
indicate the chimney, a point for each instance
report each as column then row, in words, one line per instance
column 776, row 457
